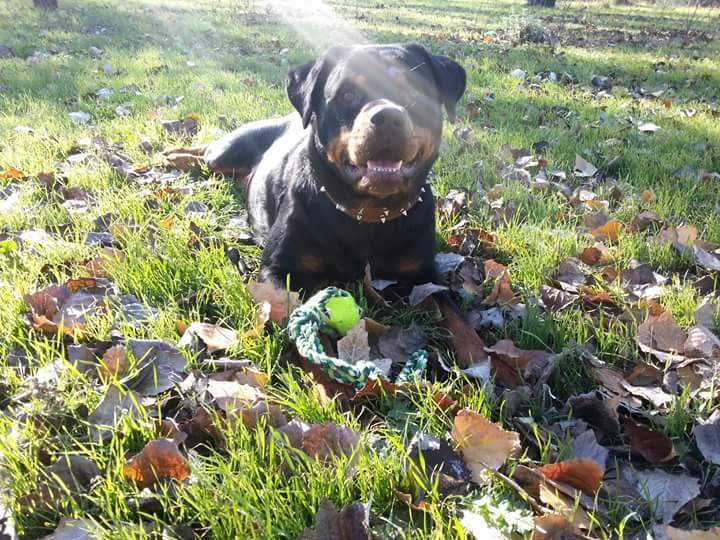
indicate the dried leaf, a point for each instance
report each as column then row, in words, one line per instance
column 70, row 475
column 654, row 446
column 351, row 523
column 667, row 493
column 701, row 343
column 585, row 446
column 583, row 474
column 557, row 299
column 399, row 343
column 707, row 438
column 514, row 367
column 609, row 232
column 583, row 168
column 215, row 338
column 115, row 405
column 354, row 347
column 324, row 441
column 554, row 527
column 420, row 292
column 663, row 333
column 469, row 348
column 484, row 445
column 158, row 459
column 282, row 302
column 672, row 533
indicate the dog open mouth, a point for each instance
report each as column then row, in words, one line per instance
column 383, row 175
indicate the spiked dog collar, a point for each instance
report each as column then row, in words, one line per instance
column 374, row 214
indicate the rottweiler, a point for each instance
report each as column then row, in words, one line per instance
column 344, row 182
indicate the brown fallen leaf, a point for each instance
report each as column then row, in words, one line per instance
column 663, row 333
column 644, row 221
column 654, row 446
column 350, row 523
column 483, row 444
column 502, row 293
column 12, row 174
column 557, row 299
column 565, row 505
column 596, row 254
column 157, row 460
column 494, row 269
column 702, row 343
column 377, row 386
column 70, row 476
column 282, row 302
column 513, row 366
column 583, row 474
column 210, row 337
column 354, row 347
column 115, row 362
column 469, row 348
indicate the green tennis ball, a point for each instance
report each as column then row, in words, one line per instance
column 343, row 313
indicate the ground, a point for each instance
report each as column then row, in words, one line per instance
column 631, row 90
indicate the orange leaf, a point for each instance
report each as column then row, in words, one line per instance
column 484, row 445
column 12, row 174
column 583, row 474
column 469, row 348
column 610, row 231
column 158, row 459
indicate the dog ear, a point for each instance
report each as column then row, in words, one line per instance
column 306, row 83
column 450, row 78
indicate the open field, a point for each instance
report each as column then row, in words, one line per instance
column 632, row 91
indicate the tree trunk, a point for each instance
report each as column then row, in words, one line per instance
column 45, row 4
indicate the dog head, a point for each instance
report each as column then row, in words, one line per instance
column 376, row 114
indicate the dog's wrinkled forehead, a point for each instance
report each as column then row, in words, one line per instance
column 385, row 71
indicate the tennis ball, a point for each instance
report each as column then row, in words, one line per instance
column 343, row 313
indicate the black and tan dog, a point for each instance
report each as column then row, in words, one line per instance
column 344, row 183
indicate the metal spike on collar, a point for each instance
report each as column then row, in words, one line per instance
column 422, row 189
column 386, row 212
column 340, row 207
column 383, row 219
column 358, row 216
column 420, row 199
column 322, row 188
column 403, row 212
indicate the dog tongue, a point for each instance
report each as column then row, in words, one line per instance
column 384, row 166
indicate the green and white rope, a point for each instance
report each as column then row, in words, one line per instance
column 304, row 327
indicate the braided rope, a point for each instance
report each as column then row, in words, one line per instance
column 304, row 326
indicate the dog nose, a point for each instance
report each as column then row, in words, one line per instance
column 389, row 117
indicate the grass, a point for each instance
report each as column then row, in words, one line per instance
column 225, row 62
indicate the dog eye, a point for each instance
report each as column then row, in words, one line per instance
column 349, row 97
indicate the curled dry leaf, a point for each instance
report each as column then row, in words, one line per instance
column 351, row 523
column 484, row 445
column 282, row 302
column 514, row 367
column 583, row 474
column 585, row 446
column 469, row 348
column 502, row 293
column 159, row 459
column 213, row 337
